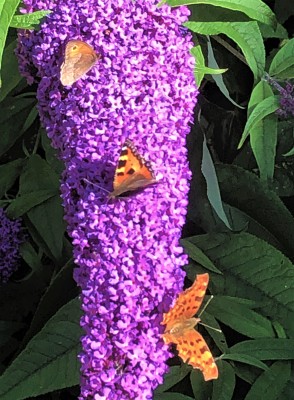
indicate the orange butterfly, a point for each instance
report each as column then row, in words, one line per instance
column 80, row 57
column 132, row 171
column 180, row 329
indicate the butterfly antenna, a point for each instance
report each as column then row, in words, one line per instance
column 94, row 184
column 206, row 305
column 210, row 327
column 203, row 309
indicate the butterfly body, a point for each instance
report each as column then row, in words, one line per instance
column 179, row 330
column 132, row 172
column 79, row 58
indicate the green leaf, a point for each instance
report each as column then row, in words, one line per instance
column 22, row 204
column 175, row 375
column 290, row 153
column 8, row 174
column 30, row 119
column 248, row 375
column 282, row 65
column 255, row 270
column 263, row 135
column 50, row 153
column 200, row 68
column 240, row 318
column 223, row 387
column 14, row 113
column 198, row 256
column 288, row 390
column 50, row 303
column 30, row 256
column 245, row 359
column 49, row 362
column 280, row 331
column 268, row 31
column 47, row 217
column 201, row 390
column 7, row 10
column 283, row 183
column 10, row 73
column 213, row 71
column 266, row 107
column 213, row 328
column 241, row 188
column 213, row 192
column 255, row 9
column 200, row 64
column 28, row 21
column 266, row 349
column 218, row 79
column 245, row 34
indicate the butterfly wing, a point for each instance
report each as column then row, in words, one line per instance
column 79, row 59
column 188, row 302
column 132, row 171
column 193, row 349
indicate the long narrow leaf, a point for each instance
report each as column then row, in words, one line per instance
column 200, row 64
column 266, row 349
column 28, row 21
column 263, row 135
column 10, row 73
column 266, row 107
column 213, row 192
column 271, row 383
column 223, row 387
column 7, row 11
column 49, row 362
column 218, row 78
column 282, row 65
column 244, row 358
column 255, row 9
column 241, row 188
column 241, row 318
column 253, row 269
column 245, row 34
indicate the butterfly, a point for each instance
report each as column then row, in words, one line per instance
column 79, row 59
column 132, row 171
column 179, row 330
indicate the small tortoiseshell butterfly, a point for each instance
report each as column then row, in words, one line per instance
column 180, row 330
column 132, row 171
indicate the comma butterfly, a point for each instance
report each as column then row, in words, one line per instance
column 180, row 330
column 80, row 57
column 132, row 171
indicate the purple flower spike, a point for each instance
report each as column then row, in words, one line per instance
column 10, row 239
column 127, row 250
column 287, row 101
column 286, row 109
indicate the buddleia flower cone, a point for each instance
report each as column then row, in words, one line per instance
column 126, row 250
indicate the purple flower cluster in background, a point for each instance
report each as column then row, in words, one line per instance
column 127, row 250
column 286, row 109
column 10, row 239
column 287, row 101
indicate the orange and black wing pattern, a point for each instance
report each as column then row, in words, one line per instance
column 132, row 171
column 179, row 330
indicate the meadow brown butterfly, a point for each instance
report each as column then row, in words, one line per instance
column 79, row 59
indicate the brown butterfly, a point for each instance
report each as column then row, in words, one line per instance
column 180, row 323
column 132, row 171
column 79, row 59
